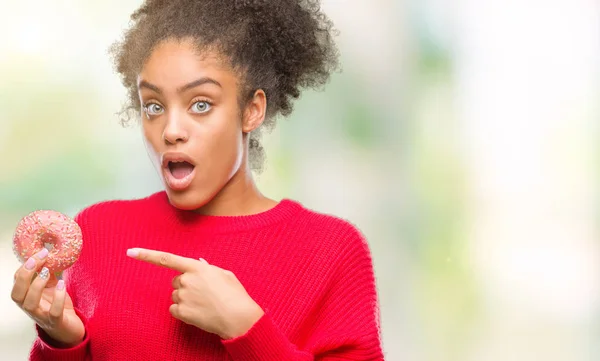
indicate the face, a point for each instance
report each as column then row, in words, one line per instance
column 192, row 122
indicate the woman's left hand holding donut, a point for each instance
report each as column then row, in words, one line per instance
column 206, row 296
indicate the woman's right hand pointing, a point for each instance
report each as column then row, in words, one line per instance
column 46, row 301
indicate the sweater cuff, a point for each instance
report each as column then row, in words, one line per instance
column 263, row 342
column 50, row 351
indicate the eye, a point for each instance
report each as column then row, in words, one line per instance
column 153, row 109
column 201, row 107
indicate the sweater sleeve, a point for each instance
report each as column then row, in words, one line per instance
column 344, row 326
column 44, row 349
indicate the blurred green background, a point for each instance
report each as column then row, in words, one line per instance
column 461, row 137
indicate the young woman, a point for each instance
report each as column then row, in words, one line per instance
column 210, row 268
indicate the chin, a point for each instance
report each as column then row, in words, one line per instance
column 187, row 200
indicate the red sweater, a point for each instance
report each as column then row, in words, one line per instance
column 311, row 273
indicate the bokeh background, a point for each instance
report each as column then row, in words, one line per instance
column 461, row 137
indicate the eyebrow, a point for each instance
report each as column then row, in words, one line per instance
column 195, row 83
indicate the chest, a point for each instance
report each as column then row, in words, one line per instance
column 129, row 310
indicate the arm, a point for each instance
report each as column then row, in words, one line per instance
column 345, row 326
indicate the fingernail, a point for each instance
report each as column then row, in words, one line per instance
column 60, row 285
column 30, row 264
column 133, row 252
column 42, row 254
column 44, row 273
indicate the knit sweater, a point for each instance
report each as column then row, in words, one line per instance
column 311, row 273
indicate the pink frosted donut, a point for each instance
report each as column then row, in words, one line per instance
column 53, row 230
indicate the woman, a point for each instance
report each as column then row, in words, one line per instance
column 211, row 269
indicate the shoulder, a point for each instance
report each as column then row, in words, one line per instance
column 332, row 231
column 337, row 245
column 112, row 209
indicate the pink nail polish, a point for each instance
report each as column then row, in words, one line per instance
column 132, row 252
column 42, row 254
column 30, row 264
column 60, row 285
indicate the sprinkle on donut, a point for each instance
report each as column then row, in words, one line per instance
column 53, row 230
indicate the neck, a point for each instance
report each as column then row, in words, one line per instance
column 239, row 197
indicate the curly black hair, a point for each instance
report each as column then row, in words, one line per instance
column 279, row 46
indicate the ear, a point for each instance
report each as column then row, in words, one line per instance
column 254, row 113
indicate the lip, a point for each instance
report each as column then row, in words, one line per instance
column 175, row 157
column 172, row 182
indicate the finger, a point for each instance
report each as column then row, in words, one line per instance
column 24, row 275
column 34, row 293
column 55, row 313
column 174, row 311
column 176, row 283
column 52, row 281
column 164, row 259
column 180, row 312
column 175, row 296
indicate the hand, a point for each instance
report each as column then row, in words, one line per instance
column 206, row 296
column 46, row 301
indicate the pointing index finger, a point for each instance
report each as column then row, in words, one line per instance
column 163, row 259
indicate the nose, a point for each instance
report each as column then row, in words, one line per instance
column 175, row 130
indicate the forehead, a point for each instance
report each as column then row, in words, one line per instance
column 175, row 62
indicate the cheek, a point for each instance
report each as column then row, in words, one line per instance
column 230, row 138
column 228, row 128
column 151, row 138
column 226, row 141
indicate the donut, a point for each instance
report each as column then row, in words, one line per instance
column 48, row 229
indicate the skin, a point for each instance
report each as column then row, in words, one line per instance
column 46, row 303
column 204, row 122
column 217, row 139
column 205, row 295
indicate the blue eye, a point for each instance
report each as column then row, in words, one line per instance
column 153, row 109
column 201, row 107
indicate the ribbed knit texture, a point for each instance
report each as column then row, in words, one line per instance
column 311, row 273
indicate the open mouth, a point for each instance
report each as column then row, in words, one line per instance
column 180, row 170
